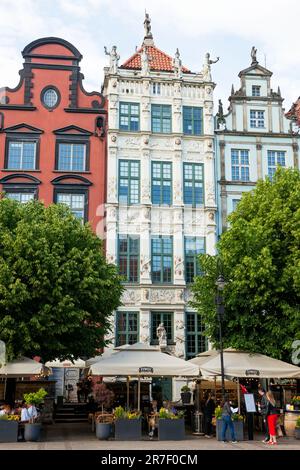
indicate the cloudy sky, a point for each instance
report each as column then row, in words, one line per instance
column 225, row 28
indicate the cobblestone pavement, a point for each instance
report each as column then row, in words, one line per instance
column 80, row 437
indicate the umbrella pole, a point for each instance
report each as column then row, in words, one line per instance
column 139, row 393
column 128, row 380
column 5, row 383
column 239, row 394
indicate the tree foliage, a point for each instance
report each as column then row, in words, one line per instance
column 56, row 289
column 260, row 255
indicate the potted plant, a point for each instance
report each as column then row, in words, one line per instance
column 238, row 424
column 128, row 425
column 295, row 401
column 33, row 427
column 297, row 429
column 9, row 428
column 104, row 397
column 171, row 425
column 186, row 395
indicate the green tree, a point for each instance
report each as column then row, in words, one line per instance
column 56, row 289
column 260, row 258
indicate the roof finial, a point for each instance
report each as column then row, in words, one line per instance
column 253, row 56
column 148, row 38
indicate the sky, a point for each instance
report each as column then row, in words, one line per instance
column 225, row 28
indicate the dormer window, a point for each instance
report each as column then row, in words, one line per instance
column 255, row 90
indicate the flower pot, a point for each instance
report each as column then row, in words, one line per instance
column 297, row 433
column 32, row 432
column 103, row 430
column 128, row 429
column 8, row 431
column 171, row 429
column 238, row 429
column 186, row 397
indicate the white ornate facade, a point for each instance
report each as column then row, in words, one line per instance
column 146, row 85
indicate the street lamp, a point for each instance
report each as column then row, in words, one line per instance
column 220, row 283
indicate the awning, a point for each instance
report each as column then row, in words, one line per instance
column 23, row 367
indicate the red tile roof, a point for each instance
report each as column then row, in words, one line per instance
column 294, row 112
column 158, row 61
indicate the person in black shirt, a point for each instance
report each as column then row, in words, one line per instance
column 208, row 411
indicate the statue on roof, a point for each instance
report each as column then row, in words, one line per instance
column 253, row 56
column 221, row 122
column 177, row 64
column 206, row 70
column 114, row 59
column 147, row 26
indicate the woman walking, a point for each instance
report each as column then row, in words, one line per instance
column 272, row 415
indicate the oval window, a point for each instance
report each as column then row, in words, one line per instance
column 50, row 98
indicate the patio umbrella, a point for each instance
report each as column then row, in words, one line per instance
column 22, row 367
column 77, row 363
column 141, row 360
column 107, row 353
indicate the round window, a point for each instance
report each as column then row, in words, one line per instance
column 50, row 98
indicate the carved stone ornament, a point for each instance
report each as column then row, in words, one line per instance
column 145, row 324
column 178, row 141
column 211, row 216
column 145, row 264
column 114, row 138
column 179, row 324
column 111, row 185
column 146, row 141
column 111, row 259
column 161, row 296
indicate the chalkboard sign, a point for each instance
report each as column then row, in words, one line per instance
column 250, row 403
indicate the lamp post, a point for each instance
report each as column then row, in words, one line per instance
column 220, row 283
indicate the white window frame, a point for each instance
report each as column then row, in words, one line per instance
column 256, row 120
column 22, row 142
column 71, row 158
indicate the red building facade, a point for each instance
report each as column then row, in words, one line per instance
column 52, row 133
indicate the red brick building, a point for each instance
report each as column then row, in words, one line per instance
column 52, row 143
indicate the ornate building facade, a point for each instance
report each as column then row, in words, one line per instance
column 160, row 210
column 252, row 139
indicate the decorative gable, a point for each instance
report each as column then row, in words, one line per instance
column 72, row 130
column 23, row 129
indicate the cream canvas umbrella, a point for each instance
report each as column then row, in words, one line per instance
column 77, row 363
column 22, row 367
column 107, row 353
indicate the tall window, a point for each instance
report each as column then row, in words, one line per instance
column 161, row 317
column 127, row 330
column 161, row 118
column 192, row 120
column 129, row 249
column 71, row 157
column 21, row 155
column 193, row 184
column 193, row 246
column 75, row 201
column 161, row 183
column 22, row 197
column 196, row 342
column 129, row 116
column 156, row 88
column 240, row 165
column 255, row 90
column 257, row 119
column 275, row 158
column 162, row 259
column 129, row 181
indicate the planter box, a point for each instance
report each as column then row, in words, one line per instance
column 297, row 433
column 32, row 432
column 238, row 428
column 8, row 431
column 186, row 398
column 171, row 429
column 103, row 430
column 128, row 429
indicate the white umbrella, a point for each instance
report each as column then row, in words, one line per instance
column 77, row 363
column 244, row 364
column 22, row 367
column 203, row 357
column 107, row 353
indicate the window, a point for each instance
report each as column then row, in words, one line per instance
column 161, row 118
column 129, row 116
column 50, row 97
column 129, row 182
column 193, row 184
column 240, row 165
column 161, row 183
column 193, row 246
column 156, row 88
column 75, row 201
column 129, row 250
column 162, row 259
column 275, row 158
column 21, row 155
column 257, row 119
column 161, row 317
column 255, row 90
column 22, row 197
column 192, row 120
column 234, row 204
column 127, row 330
column 71, row 157
column 196, row 342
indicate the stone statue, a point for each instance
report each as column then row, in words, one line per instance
column 162, row 335
column 253, row 56
column 145, row 62
column 147, row 26
column 220, row 117
column 177, row 64
column 114, row 58
column 206, row 71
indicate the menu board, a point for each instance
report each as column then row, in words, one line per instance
column 250, row 403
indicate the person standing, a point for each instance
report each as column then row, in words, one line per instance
column 208, row 411
column 264, row 411
column 272, row 415
column 227, row 421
